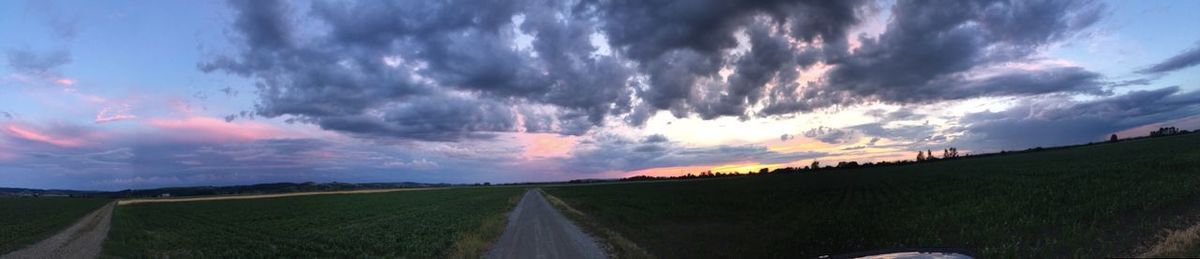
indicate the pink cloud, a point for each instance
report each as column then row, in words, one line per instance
column 109, row 114
column 545, row 145
column 34, row 135
column 65, row 81
column 214, row 129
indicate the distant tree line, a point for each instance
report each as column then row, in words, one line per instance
column 922, row 156
column 1167, row 131
column 948, row 153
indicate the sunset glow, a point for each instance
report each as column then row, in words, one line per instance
column 31, row 135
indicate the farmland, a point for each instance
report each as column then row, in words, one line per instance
column 25, row 221
column 1087, row 201
column 415, row 224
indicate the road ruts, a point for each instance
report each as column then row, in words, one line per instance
column 536, row 230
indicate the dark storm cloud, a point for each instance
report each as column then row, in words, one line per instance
column 1137, row 81
column 875, row 131
column 682, row 49
column 655, row 138
column 378, row 69
column 438, row 118
column 1053, row 121
column 28, row 61
column 903, row 114
column 648, row 29
column 832, row 135
column 912, row 133
column 378, row 56
column 930, row 48
column 1185, row 59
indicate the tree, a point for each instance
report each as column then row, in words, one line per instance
column 920, row 156
column 1164, row 131
column 1113, row 138
column 929, row 155
column 816, row 164
column 763, row 170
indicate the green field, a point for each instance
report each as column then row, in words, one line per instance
column 1087, row 201
column 408, row 224
column 24, row 221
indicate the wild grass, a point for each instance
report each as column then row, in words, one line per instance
column 24, row 221
column 415, row 224
column 614, row 244
column 1088, row 201
column 1176, row 243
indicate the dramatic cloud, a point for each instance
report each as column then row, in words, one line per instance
column 945, row 50
column 1054, row 121
column 428, row 70
column 450, row 70
column 1185, row 59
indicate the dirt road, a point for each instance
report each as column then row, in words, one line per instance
column 264, row 196
column 82, row 240
column 537, row 230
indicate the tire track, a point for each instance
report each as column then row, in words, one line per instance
column 84, row 239
column 537, row 230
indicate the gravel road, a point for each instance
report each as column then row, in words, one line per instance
column 82, row 240
column 536, row 230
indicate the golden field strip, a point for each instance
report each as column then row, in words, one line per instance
column 263, row 196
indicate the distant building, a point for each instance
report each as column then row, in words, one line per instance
column 165, row 195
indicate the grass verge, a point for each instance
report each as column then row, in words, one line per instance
column 475, row 243
column 1177, row 243
column 616, row 245
column 25, row 221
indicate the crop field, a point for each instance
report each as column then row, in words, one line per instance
column 25, row 221
column 1088, row 201
column 414, row 224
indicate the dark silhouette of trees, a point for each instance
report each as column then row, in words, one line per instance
column 922, row 156
column 950, row 153
column 1164, row 131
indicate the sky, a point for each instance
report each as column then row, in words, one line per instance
column 141, row 94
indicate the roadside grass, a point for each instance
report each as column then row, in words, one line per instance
column 457, row 222
column 25, row 221
column 1176, row 243
column 1088, row 201
column 614, row 244
column 476, row 242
